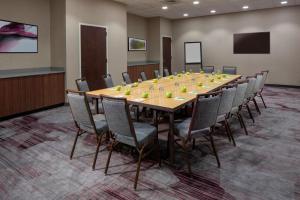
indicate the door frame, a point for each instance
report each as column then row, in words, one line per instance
column 162, row 50
column 79, row 39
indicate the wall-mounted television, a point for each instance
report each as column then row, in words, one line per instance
column 135, row 44
column 251, row 43
column 18, row 37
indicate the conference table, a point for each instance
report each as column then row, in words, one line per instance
column 167, row 94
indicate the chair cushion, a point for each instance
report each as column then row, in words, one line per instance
column 100, row 123
column 221, row 118
column 145, row 133
column 181, row 129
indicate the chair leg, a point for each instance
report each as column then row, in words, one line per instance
column 194, row 144
column 230, row 132
column 158, row 154
column 256, row 106
column 97, row 150
column 75, row 141
column 250, row 113
column 138, row 168
column 109, row 156
column 227, row 132
column 240, row 117
column 263, row 100
column 186, row 156
column 214, row 148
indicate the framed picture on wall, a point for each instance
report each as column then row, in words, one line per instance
column 135, row 44
column 18, row 37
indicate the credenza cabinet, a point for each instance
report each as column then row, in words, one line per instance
column 29, row 93
column 135, row 71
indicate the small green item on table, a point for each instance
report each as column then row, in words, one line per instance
column 127, row 92
column 200, row 84
column 183, row 89
column 169, row 94
column 154, row 81
column 224, row 75
column 135, row 84
column 118, row 88
column 201, row 72
column 212, row 80
column 145, row 95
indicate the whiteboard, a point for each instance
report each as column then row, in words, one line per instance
column 193, row 52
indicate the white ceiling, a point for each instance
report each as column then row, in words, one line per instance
column 152, row 8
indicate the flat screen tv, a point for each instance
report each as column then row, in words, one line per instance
column 135, row 44
column 251, row 43
column 18, row 37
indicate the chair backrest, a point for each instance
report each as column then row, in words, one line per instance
column 143, row 76
column 240, row 93
column 156, row 73
column 258, row 82
column 82, row 85
column 174, row 73
column 108, row 81
column 227, row 98
column 208, row 69
column 126, row 78
column 229, row 70
column 265, row 76
column 118, row 117
column 250, row 87
column 80, row 109
column 166, row 72
column 205, row 111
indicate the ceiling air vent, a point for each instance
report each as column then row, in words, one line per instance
column 170, row 1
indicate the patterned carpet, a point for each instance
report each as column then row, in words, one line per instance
column 35, row 164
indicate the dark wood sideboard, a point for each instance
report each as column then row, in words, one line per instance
column 28, row 93
column 134, row 70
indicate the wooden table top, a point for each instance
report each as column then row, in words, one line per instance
column 157, row 90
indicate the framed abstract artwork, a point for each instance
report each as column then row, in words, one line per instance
column 18, row 37
column 135, row 44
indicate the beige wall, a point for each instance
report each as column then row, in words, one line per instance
column 58, row 33
column 216, row 34
column 35, row 12
column 153, row 52
column 137, row 28
column 102, row 13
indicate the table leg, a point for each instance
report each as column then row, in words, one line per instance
column 171, row 137
column 97, row 105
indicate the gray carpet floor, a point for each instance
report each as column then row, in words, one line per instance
column 265, row 165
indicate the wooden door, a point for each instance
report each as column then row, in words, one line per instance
column 93, row 55
column 167, row 55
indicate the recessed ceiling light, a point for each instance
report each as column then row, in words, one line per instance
column 245, row 7
column 213, row 11
column 284, row 2
column 185, row 14
column 164, row 7
column 196, row 2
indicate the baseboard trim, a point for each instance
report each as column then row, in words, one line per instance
column 286, row 86
column 30, row 112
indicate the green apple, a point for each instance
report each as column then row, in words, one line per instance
column 212, row 80
column 154, row 81
column 135, row 84
column 200, row 84
column 188, row 73
column 169, row 94
column 118, row 88
column 145, row 95
column 183, row 89
column 179, row 75
column 171, row 77
column 219, row 77
column 127, row 92
column 224, row 75
column 201, row 72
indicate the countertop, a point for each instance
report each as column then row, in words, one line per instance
column 12, row 73
column 136, row 63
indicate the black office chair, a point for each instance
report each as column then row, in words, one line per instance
column 229, row 70
column 166, row 72
column 126, row 78
column 108, row 81
column 143, row 76
column 208, row 69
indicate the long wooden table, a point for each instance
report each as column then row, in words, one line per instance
column 157, row 99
